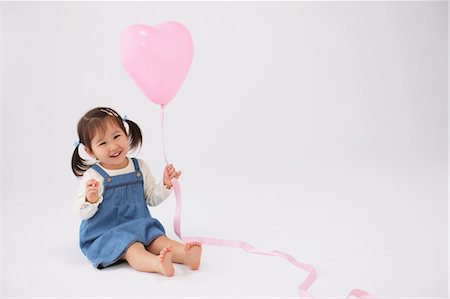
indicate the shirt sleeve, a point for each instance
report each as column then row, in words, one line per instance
column 155, row 193
column 82, row 207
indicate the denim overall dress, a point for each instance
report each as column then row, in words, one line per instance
column 122, row 219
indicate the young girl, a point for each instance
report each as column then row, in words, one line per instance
column 113, row 198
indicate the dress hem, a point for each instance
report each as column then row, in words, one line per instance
column 103, row 265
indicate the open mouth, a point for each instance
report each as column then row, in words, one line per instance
column 115, row 155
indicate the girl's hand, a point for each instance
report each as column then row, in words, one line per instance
column 92, row 191
column 169, row 174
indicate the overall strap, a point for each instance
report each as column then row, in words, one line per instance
column 136, row 165
column 101, row 171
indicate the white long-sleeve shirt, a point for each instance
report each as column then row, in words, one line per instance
column 154, row 193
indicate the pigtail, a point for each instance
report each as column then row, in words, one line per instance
column 134, row 134
column 79, row 165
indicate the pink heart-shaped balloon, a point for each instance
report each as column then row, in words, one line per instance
column 157, row 58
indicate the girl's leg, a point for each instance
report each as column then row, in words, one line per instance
column 142, row 260
column 189, row 253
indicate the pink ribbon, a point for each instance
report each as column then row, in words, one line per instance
column 303, row 287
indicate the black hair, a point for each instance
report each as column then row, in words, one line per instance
column 95, row 121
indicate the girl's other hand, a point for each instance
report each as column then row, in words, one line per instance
column 92, row 191
column 169, row 174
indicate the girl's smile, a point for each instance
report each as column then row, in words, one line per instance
column 115, row 155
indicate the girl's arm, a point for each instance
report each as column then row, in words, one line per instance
column 83, row 207
column 154, row 193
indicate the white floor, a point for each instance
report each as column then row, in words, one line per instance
column 390, row 250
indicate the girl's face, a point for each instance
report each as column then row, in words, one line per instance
column 110, row 148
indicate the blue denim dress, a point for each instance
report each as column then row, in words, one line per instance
column 122, row 219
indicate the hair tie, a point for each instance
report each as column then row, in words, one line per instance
column 76, row 143
column 125, row 118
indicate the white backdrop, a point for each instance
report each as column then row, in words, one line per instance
column 315, row 128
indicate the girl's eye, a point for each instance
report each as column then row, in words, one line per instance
column 103, row 143
column 117, row 136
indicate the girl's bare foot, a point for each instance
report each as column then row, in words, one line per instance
column 193, row 252
column 165, row 262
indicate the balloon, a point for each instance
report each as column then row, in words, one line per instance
column 157, row 58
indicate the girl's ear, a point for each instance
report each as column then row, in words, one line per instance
column 90, row 153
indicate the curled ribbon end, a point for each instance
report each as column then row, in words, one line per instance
column 357, row 293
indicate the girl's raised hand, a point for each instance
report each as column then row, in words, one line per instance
column 169, row 174
column 92, row 191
